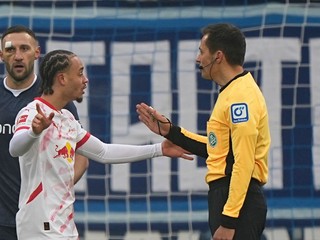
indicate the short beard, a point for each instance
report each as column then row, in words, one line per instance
column 19, row 79
column 79, row 99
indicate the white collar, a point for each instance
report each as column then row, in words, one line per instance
column 16, row 92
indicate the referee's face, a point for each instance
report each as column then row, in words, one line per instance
column 205, row 59
column 19, row 51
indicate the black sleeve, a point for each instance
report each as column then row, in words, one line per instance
column 192, row 145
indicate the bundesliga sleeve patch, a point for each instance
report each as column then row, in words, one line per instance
column 239, row 112
column 22, row 119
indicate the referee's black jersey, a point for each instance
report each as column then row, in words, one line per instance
column 237, row 142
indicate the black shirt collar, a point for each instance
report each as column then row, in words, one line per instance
column 239, row 75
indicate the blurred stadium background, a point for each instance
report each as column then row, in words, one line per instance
column 145, row 51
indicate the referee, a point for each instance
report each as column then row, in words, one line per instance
column 238, row 138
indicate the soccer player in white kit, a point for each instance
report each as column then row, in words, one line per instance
column 46, row 139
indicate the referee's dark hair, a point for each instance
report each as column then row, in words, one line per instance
column 228, row 39
column 53, row 63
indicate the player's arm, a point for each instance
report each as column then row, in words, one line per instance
column 95, row 149
column 81, row 163
column 29, row 125
column 21, row 142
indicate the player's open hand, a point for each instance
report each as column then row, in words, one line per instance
column 169, row 149
column 155, row 121
column 41, row 121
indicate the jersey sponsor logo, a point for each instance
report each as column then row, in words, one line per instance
column 66, row 152
column 212, row 139
column 7, row 128
column 239, row 112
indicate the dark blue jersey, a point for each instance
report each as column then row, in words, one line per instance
column 9, row 166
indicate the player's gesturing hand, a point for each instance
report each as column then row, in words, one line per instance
column 41, row 121
column 171, row 150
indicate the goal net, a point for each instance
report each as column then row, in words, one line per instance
column 144, row 51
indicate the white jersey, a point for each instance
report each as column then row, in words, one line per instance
column 47, row 170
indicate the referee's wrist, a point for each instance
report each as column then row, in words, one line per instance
column 229, row 222
column 172, row 132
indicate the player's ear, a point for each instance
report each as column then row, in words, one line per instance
column 61, row 78
column 1, row 55
column 37, row 52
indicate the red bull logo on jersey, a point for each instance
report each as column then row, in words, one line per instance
column 66, row 152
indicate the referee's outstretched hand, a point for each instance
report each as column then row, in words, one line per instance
column 41, row 121
column 154, row 120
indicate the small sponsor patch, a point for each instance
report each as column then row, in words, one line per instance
column 46, row 226
column 239, row 112
column 22, row 119
column 212, row 139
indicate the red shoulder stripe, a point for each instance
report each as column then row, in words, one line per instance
column 83, row 140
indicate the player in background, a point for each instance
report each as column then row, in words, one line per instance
column 237, row 144
column 46, row 139
column 19, row 51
